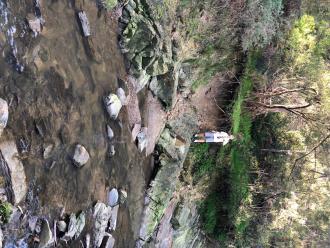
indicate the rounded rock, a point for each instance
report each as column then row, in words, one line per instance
column 113, row 197
column 81, row 156
column 110, row 132
column 122, row 196
column 112, row 150
column 61, row 226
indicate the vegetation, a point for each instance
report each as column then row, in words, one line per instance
column 5, row 212
column 270, row 187
column 110, row 4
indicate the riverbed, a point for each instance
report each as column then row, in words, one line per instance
column 54, row 83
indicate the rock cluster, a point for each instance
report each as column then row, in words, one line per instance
column 147, row 44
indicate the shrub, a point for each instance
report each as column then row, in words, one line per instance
column 261, row 20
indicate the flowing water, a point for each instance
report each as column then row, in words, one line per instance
column 54, row 83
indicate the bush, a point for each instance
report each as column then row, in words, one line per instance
column 5, row 212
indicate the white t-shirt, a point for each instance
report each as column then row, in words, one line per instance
column 222, row 137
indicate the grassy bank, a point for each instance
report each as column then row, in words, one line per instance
column 223, row 211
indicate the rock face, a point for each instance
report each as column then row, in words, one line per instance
column 171, row 161
column 4, row 113
column 13, row 170
column 81, row 156
column 113, row 105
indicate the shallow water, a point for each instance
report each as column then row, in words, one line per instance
column 57, row 99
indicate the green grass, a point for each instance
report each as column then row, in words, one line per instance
column 203, row 162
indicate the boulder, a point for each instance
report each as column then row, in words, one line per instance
column 122, row 196
column 112, row 150
column 46, row 236
column 121, row 95
column 165, row 87
column 32, row 222
column 142, row 139
column 135, row 131
column 61, row 226
column 110, row 133
column 110, row 242
column 48, row 150
column 113, row 197
column 113, row 218
column 35, row 23
column 84, row 23
column 76, row 226
column 113, row 105
column 81, row 156
column 101, row 216
column 88, row 240
column 4, row 113
column 13, row 170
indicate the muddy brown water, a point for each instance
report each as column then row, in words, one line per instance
column 57, row 100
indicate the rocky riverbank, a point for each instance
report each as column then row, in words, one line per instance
column 80, row 124
column 151, row 44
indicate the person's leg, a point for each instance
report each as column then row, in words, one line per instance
column 199, row 141
column 209, row 139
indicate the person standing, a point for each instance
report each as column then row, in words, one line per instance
column 213, row 137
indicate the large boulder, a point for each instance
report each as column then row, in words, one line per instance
column 4, row 113
column 165, row 87
column 13, row 170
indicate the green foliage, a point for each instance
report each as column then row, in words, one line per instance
column 203, row 162
column 5, row 212
column 110, row 4
column 261, row 20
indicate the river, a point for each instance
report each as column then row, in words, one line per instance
column 55, row 89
